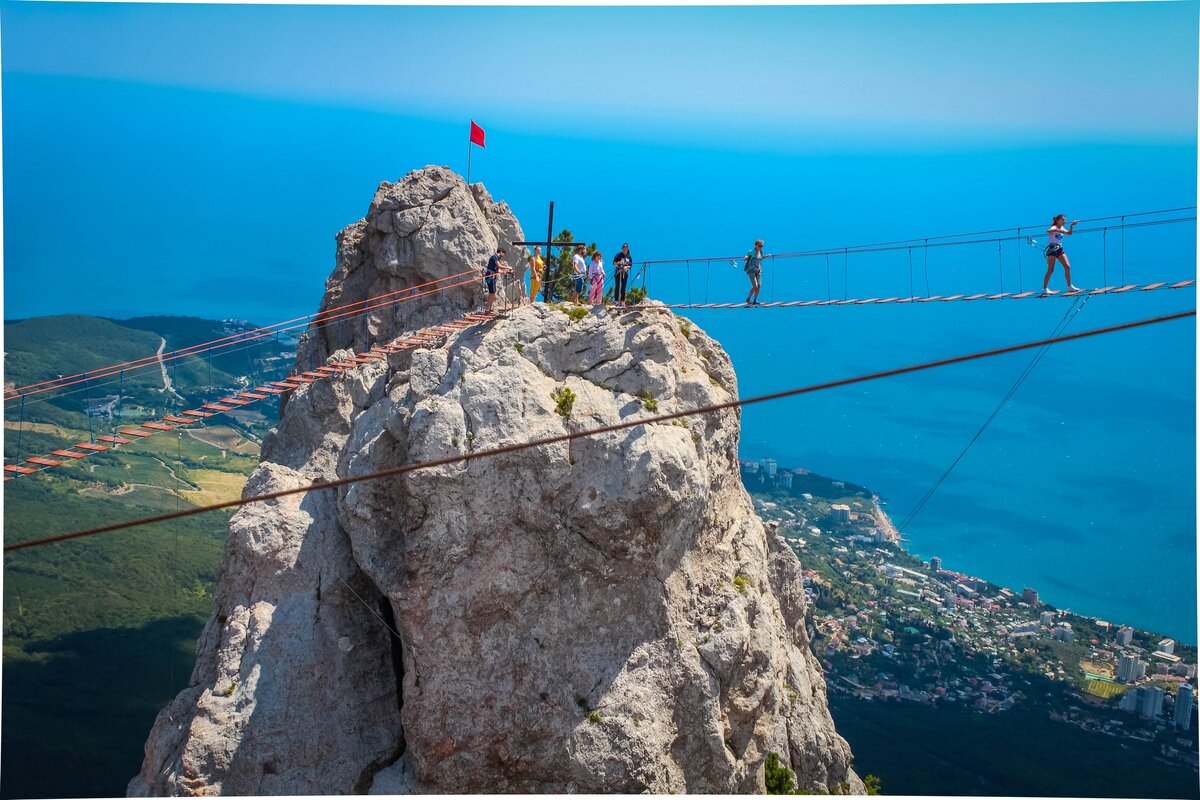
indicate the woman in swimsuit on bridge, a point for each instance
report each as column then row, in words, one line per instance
column 1055, row 252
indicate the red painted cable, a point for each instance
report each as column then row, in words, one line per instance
column 236, row 338
column 258, row 333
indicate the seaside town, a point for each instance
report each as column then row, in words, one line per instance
column 890, row 627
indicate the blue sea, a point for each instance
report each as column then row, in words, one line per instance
column 125, row 199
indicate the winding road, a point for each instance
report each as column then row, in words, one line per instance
column 167, row 387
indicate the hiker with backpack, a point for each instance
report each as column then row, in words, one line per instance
column 753, row 267
column 495, row 267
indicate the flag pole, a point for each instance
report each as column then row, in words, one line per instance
column 469, row 162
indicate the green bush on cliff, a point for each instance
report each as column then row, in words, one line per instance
column 564, row 400
column 778, row 777
column 635, row 296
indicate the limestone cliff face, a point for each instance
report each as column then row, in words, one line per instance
column 607, row 615
column 427, row 226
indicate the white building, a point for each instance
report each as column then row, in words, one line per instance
column 1063, row 633
column 1130, row 669
column 935, row 564
column 841, row 512
column 1146, row 701
column 1184, row 699
column 1124, row 636
column 1152, row 701
column 1166, row 646
column 785, row 480
column 1186, row 670
column 1046, row 618
column 769, row 466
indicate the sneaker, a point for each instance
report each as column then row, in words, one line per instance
column 1049, row 291
column 1074, row 288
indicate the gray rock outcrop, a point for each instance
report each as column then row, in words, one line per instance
column 428, row 226
column 600, row 615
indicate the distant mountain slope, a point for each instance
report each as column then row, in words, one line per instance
column 43, row 348
column 100, row 632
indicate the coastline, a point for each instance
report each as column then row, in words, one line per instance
column 885, row 523
column 893, row 536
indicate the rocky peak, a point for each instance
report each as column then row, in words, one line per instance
column 427, row 226
column 604, row 615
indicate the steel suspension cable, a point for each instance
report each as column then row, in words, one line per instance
column 463, row 458
column 1020, row 277
column 911, row 291
column 1066, row 320
column 927, row 292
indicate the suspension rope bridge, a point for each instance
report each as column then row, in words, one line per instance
column 237, row 400
column 940, row 299
column 463, row 458
column 85, row 381
column 942, row 241
column 321, row 319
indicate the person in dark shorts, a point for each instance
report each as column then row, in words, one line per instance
column 622, row 263
column 495, row 267
column 753, row 267
column 1055, row 252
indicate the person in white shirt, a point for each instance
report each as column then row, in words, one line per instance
column 579, row 267
column 1055, row 252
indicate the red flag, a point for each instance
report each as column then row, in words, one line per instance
column 476, row 134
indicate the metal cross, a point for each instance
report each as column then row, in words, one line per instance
column 548, row 244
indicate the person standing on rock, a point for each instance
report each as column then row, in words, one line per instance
column 495, row 267
column 753, row 267
column 1054, row 251
column 579, row 267
column 596, row 276
column 621, row 265
column 535, row 273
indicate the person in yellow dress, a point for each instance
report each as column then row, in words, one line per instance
column 535, row 273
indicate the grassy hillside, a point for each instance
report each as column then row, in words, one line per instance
column 99, row 633
column 42, row 348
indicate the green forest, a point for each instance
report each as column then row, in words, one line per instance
column 100, row 633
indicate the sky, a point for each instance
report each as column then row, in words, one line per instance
column 1033, row 71
column 176, row 159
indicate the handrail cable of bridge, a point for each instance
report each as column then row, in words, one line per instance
column 937, row 241
column 151, row 362
column 318, row 317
